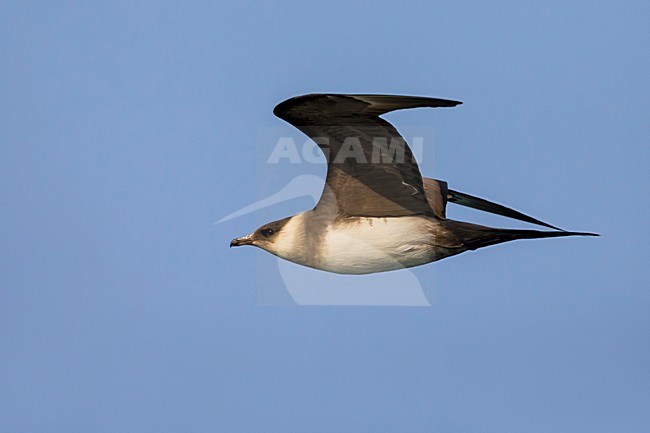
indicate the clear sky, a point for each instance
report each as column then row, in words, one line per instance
column 129, row 128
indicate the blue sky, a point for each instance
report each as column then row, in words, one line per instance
column 127, row 129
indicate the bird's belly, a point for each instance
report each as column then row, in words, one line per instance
column 368, row 245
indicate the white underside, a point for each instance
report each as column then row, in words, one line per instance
column 370, row 245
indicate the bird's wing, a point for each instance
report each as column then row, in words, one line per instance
column 491, row 207
column 371, row 170
column 439, row 195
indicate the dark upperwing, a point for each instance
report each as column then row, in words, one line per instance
column 439, row 195
column 347, row 129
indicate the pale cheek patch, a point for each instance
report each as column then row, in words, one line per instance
column 286, row 242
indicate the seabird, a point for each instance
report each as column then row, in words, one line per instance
column 376, row 212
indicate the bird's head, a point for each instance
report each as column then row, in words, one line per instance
column 268, row 237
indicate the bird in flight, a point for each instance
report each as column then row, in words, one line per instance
column 376, row 212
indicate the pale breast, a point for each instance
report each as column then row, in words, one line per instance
column 366, row 245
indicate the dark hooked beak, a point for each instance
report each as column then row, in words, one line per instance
column 244, row 240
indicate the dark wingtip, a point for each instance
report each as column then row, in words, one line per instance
column 440, row 102
column 579, row 233
column 283, row 107
column 487, row 206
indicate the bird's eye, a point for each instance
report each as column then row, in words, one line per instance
column 268, row 232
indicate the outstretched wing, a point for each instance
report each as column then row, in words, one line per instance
column 371, row 170
column 495, row 208
column 439, row 195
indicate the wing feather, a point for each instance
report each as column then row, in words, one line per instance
column 371, row 170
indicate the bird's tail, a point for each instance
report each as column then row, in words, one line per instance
column 492, row 236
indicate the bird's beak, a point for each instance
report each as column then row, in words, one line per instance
column 244, row 240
